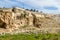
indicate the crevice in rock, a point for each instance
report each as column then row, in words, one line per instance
column 2, row 24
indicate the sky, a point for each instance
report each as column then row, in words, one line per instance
column 47, row 6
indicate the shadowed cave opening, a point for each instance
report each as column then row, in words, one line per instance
column 2, row 24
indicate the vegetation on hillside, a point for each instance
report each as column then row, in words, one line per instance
column 34, row 10
column 30, row 37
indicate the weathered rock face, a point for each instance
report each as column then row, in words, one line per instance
column 16, row 18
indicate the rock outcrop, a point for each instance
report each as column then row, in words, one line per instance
column 17, row 19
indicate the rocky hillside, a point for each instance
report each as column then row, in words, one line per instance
column 18, row 20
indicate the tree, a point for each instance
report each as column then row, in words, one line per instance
column 31, row 9
column 36, row 10
column 13, row 9
column 27, row 9
column 41, row 12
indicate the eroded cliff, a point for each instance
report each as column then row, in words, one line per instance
column 17, row 20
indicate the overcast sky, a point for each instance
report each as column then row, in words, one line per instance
column 47, row 6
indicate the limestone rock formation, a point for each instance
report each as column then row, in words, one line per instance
column 19, row 19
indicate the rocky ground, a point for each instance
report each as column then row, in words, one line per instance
column 18, row 20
